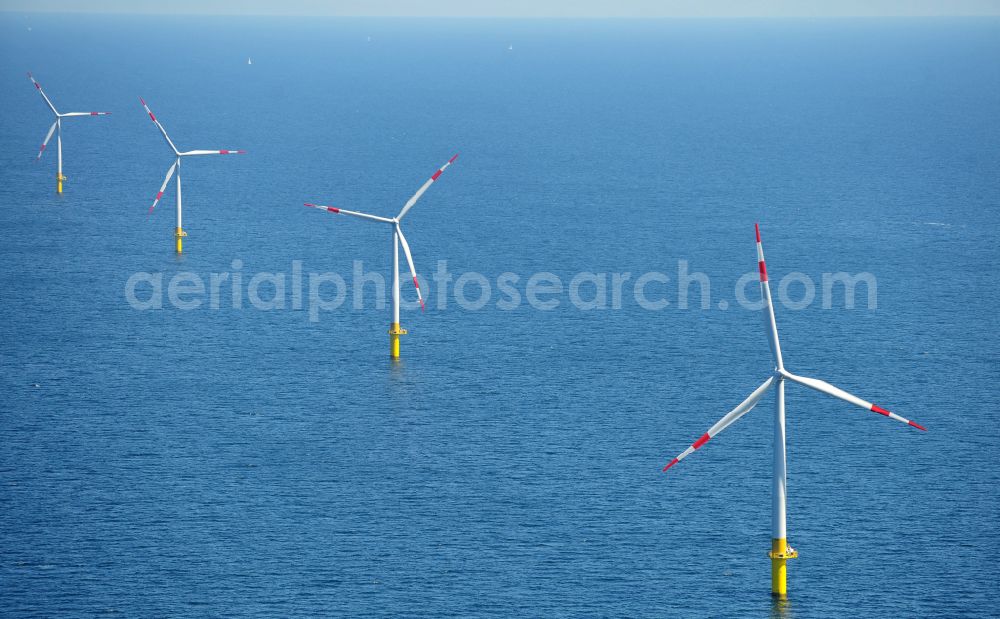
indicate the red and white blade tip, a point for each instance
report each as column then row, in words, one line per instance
column 760, row 255
column 332, row 209
column 416, row 285
column 148, row 111
column 440, row 170
column 881, row 411
column 704, row 438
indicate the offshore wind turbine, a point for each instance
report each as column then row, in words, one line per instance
column 397, row 239
column 179, row 232
column 780, row 550
column 57, row 128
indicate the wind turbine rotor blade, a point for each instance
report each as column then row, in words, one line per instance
column 38, row 87
column 85, row 114
column 765, row 292
column 163, row 188
column 744, row 407
column 159, row 126
column 827, row 388
column 409, row 261
column 409, row 204
column 48, row 136
column 340, row 211
column 213, row 152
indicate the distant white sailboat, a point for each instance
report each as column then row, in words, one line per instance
column 249, row 61
column 510, row 49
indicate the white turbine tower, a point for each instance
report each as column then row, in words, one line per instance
column 57, row 129
column 397, row 239
column 176, row 167
column 780, row 550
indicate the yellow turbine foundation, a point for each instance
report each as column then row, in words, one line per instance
column 180, row 234
column 394, row 332
column 59, row 181
column 780, row 553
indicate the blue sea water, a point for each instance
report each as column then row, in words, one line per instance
column 242, row 462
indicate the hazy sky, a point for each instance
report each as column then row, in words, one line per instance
column 524, row 8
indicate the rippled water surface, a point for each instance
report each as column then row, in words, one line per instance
column 238, row 461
